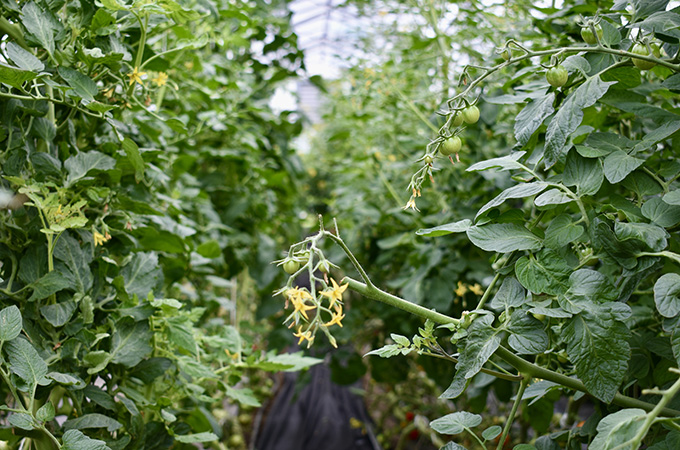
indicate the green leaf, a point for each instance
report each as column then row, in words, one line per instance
column 457, row 387
column 96, row 361
column 401, row 340
column 46, row 412
column 532, row 116
column 150, row 369
column 584, row 173
column 578, row 63
column 453, row 446
column 68, row 251
column 569, row 116
column 386, row 351
column 667, row 295
column 92, row 420
column 298, row 361
column 10, row 323
column 502, row 164
column 49, row 284
column 624, row 252
column 672, row 82
column 99, row 107
column 142, row 274
column 26, row 363
column 14, row 76
column 60, row 313
column 135, row 158
column 130, row 342
column 511, row 294
column 617, row 428
column 39, row 25
column 661, row 213
column 442, row 230
column 492, row 432
column 653, row 236
column 244, row 396
column 561, row 231
column 66, row 379
column 83, row 163
column 22, row 420
column 209, row 249
column 545, row 272
column 503, row 238
column 83, row 86
column 482, row 342
column 552, row 197
column 527, row 335
column 198, row 437
column 180, row 332
column 76, row 440
column 455, row 423
column 673, row 197
column 597, row 344
column 23, row 58
column 619, row 164
column 657, row 135
column 518, row 191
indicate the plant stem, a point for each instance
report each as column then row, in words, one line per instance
column 392, row 300
column 668, row 395
column 523, row 366
column 508, row 424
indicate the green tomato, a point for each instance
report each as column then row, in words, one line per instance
column 505, row 54
column 450, row 146
column 457, row 120
column 324, row 267
column 557, row 76
column 291, row 266
column 303, row 257
column 641, row 49
column 428, row 159
column 589, row 37
column 470, row 114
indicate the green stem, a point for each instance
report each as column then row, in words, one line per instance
column 479, row 441
column 392, row 300
column 574, row 197
column 13, row 31
column 389, row 187
column 19, row 400
column 668, row 395
column 523, row 366
column 562, row 50
column 369, row 284
column 674, row 256
column 662, row 183
column 515, row 406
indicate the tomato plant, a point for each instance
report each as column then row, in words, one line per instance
column 134, row 239
column 575, row 209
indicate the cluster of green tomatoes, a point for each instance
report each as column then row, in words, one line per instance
column 557, row 76
column 452, row 145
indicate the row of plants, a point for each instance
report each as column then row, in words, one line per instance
column 144, row 179
column 561, row 204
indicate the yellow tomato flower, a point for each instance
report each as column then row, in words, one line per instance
column 161, row 79
column 298, row 298
column 307, row 335
column 461, row 290
column 335, row 294
column 99, row 239
column 136, row 76
column 476, row 289
column 335, row 320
